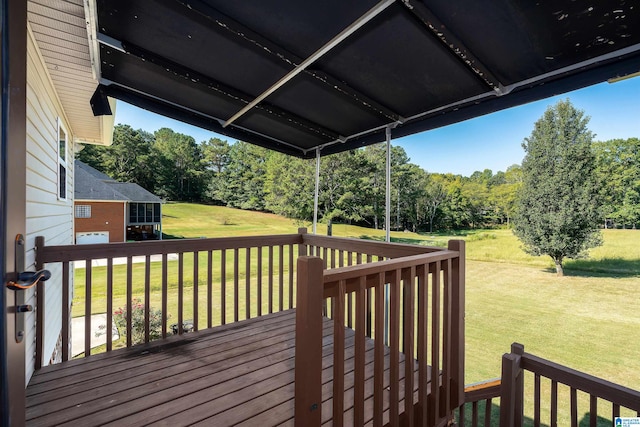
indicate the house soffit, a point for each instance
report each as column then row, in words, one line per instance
column 59, row 28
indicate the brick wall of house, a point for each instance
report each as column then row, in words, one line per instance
column 105, row 216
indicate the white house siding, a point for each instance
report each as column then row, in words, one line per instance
column 46, row 215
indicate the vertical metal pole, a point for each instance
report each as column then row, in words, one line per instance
column 387, row 217
column 315, row 196
column 387, row 226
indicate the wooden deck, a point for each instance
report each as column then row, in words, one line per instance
column 237, row 374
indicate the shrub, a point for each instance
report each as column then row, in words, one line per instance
column 137, row 322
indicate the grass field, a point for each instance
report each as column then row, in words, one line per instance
column 588, row 320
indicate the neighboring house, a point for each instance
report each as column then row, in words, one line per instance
column 110, row 211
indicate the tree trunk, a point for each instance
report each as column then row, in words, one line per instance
column 559, row 271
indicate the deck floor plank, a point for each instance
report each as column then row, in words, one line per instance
column 236, row 374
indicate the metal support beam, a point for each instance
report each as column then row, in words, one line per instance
column 195, row 78
column 223, row 23
column 317, row 191
column 343, row 35
column 168, row 108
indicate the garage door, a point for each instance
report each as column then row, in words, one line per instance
column 92, row 237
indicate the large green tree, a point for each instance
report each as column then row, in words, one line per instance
column 130, row 158
column 618, row 163
column 181, row 167
column 557, row 211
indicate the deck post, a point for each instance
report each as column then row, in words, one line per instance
column 302, row 247
column 518, row 350
column 509, row 392
column 308, row 354
column 457, row 322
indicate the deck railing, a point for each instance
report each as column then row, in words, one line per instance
column 198, row 283
column 615, row 400
column 205, row 282
column 425, row 324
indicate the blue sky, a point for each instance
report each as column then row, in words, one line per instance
column 492, row 141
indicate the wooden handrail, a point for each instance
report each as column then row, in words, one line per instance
column 371, row 247
column 65, row 253
column 488, row 389
column 517, row 362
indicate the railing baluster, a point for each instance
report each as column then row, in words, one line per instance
column 223, row 287
column 209, row 289
column 87, row 308
column 270, row 279
column 423, row 363
column 338, row 355
column 281, row 277
column 236, row 278
column 394, row 336
column 434, row 407
column 359, row 378
column 259, row 273
column 378, row 360
column 325, row 257
column 66, row 327
column 291, row 264
column 616, row 410
column 248, row 284
column 536, row 400
column 147, row 296
column 196, row 280
column 180, row 292
column 368, row 312
column 593, row 410
column 474, row 414
column 487, row 413
column 574, row 407
column 165, row 314
column 408, row 323
column 554, row 404
column 333, row 258
column 447, row 351
column 129, row 301
column 109, row 296
column 350, row 310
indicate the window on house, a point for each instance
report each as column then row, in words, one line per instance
column 140, row 213
column 83, row 211
column 62, row 161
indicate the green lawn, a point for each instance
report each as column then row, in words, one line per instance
column 588, row 320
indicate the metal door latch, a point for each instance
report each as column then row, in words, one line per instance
column 28, row 279
column 22, row 281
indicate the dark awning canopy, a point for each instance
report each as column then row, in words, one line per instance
column 295, row 75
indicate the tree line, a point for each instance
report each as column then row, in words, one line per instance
column 352, row 184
